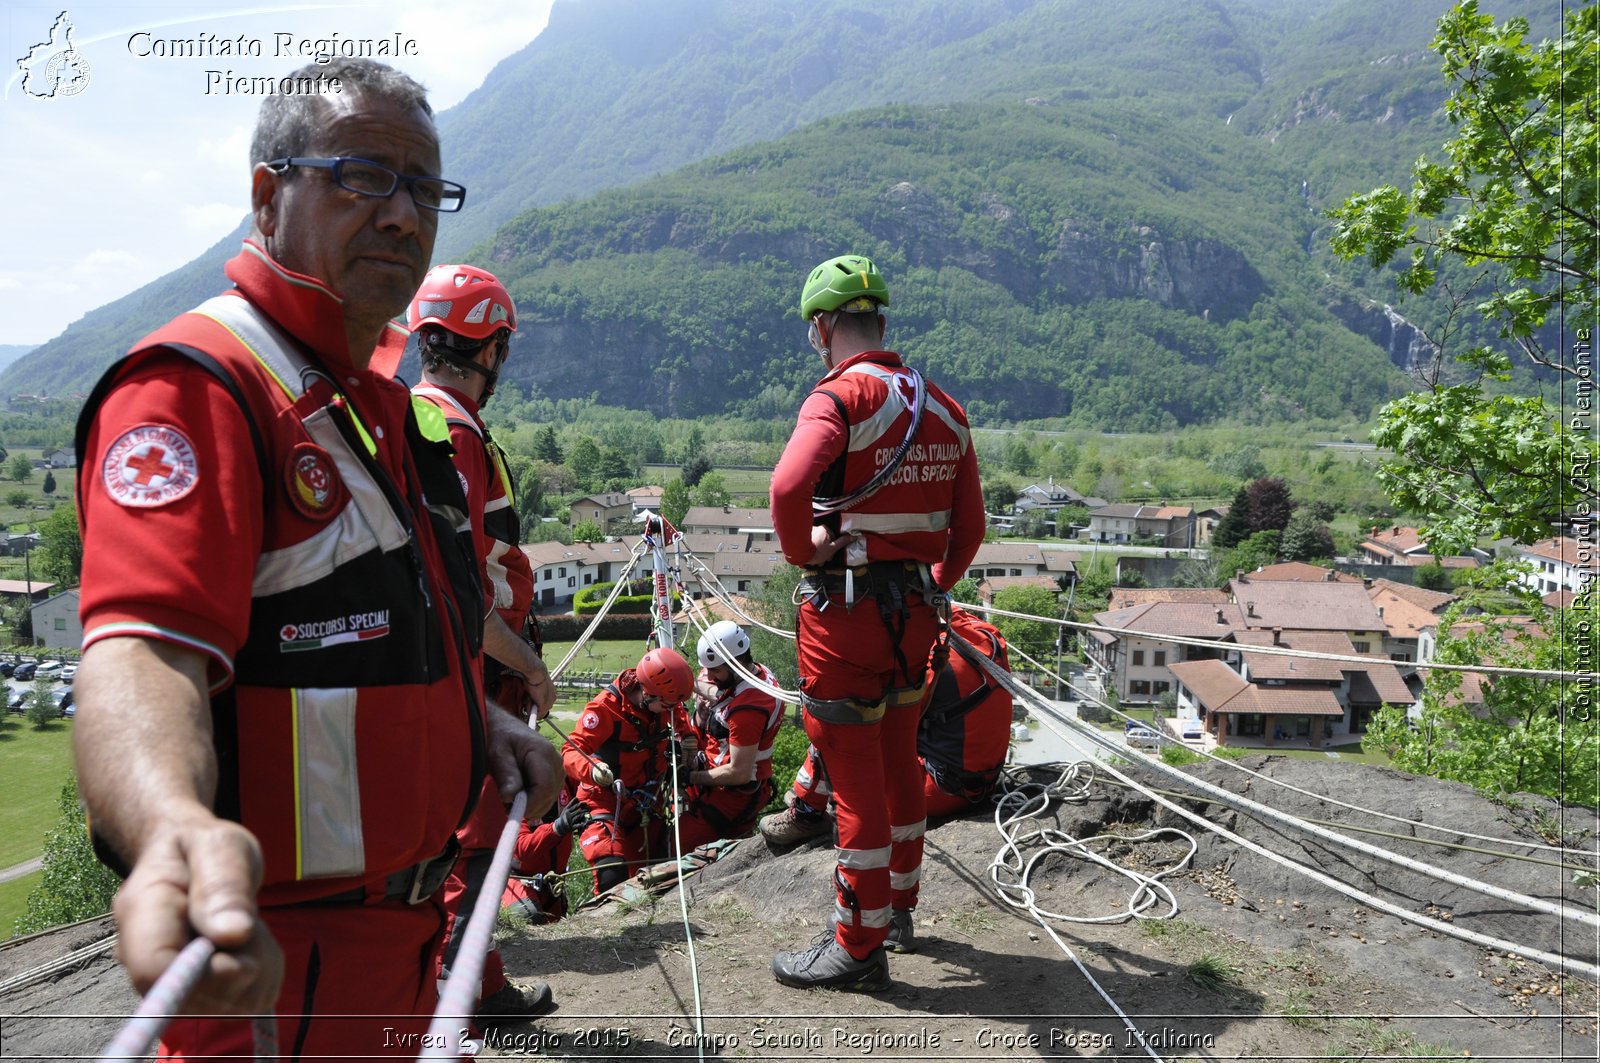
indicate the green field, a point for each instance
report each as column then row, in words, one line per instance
column 740, row 482
column 14, row 900
column 36, row 767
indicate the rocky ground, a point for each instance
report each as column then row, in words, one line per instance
column 1258, row 964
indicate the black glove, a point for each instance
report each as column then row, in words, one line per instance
column 572, row 818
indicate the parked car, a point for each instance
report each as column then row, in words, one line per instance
column 62, row 698
column 1143, row 738
column 48, row 668
column 25, row 671
column 69, row 673
column 14, row 700
column 6, row 668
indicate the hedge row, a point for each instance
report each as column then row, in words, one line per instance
column 567, row 627
column 588, row 601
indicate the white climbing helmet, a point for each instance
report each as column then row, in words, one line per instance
column 722, row 642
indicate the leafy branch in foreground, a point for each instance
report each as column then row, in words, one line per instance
column 1516, row 195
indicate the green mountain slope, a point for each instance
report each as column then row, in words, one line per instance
column 1102, row 263
column 615, row 91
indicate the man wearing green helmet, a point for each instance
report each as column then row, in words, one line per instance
column 877, row 498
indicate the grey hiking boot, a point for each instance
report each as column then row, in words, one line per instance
column 512, row 1004
column 792, row 826
column 826, row 964
column 902, row 932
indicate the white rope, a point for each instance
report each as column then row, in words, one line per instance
column 1285, row 651
column 458, row 998
column 663, row 605
column 1234, row 765
column 698, row 622
column 1573, row 965
column 605, row 607
column 1072, row 786
column 708, row 579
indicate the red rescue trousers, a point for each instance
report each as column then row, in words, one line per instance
column 849, row 653
column 368, row 981
column 812, row 790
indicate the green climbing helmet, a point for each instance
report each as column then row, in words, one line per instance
column 850, row 283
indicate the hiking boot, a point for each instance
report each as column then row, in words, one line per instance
column 902, row 932
column 826, row 964
column 513, row 1004
column 793, row 826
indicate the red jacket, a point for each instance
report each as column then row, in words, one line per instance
column 633, row 742
column 491, row 505
column 931, row 509
column 248, row 493
column 745, row 716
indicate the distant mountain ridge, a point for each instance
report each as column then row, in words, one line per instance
column 615, row 91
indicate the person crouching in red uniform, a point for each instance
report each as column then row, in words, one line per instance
column 736, row 723
column 877, row 497
column 540, row 856
column 618, row 757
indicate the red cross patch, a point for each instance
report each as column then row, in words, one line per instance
column 150, row 465
column 313, row 482
column 590, row 721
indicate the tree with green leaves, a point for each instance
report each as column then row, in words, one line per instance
column 585, row 460
column 675, row 502
column 75, row 885
column 546, row 448
column 694, row 469
column 49, row 485
column 1307, row 539
column 1527, row 736
column 1033, row 636
column 1234, row 526
column 712, row 490
column 1256, row 551
column 588, row 531
column 37, row 706
column 965, row 590
column 59, row 554
column 21, row 469
column 1514, row 204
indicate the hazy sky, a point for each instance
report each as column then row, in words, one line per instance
column 143, row 168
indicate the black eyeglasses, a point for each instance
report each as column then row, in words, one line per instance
column 367, row 178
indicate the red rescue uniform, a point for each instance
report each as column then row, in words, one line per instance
column 636, row 745
column 247, row 492
column 508, row 582
column 865, row 627
column 745, row 715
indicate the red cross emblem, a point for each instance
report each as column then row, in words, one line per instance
column 149, row 465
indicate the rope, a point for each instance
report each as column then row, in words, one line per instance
column 457, row 1003
column 605, row 607
column 692, row 610
column 709, row 580
column 1019, row 894
column 1236, row 766
column 136, row 1037
column 60, row 963
column 1285, row 651
column 1573, row 965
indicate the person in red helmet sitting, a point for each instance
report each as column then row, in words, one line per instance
column 619, row 756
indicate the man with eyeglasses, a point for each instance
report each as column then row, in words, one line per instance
column 281, row 720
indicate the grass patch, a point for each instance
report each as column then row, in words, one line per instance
column 14, row 900
column 1177, row 755
column 972, row 920
column 1353, row 751
column 1367, row 1038
column 37, row 764
column 1213, row 974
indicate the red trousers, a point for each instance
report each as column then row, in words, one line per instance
column 811, row 789
column 721, row 812
column 636, row 845
column 364, row 973
column 850, row 653
column 460, row 895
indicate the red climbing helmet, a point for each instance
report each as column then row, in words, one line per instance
column 664, row 674
column 465, row 300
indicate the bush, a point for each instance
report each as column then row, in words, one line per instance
column 638, row 597
column 75, row 885
column 788, row 753
column 569, row 628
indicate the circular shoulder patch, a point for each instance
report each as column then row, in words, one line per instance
column 591, row 721
column 150, row 465
column 312, row 480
